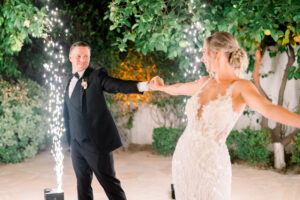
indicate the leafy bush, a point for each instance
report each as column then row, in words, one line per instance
column 165, row 139
column 22, row 120
column 296, row 150
column 249, row 145
column 18, row 21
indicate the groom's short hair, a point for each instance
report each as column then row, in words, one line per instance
column 79, row 44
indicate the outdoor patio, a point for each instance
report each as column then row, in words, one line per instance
column 143, row 175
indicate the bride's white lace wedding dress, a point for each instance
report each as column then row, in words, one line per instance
column 201, row 167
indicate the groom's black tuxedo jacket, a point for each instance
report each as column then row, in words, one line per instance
column 86, row 114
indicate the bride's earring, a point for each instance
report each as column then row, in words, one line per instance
column 212, row 74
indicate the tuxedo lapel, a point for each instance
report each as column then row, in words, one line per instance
column 67, row 88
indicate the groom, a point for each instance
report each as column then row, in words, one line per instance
column 90, row 128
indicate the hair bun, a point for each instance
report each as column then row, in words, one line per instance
column 227, row 43
column 235, row 54
column 239, row 61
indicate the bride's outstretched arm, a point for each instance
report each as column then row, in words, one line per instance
column 157, row 84
column 260, row 104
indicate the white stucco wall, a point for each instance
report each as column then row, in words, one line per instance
column 271, row 85
column 143, row 125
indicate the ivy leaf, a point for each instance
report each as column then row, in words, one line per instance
column 292, row 69
column 183, row 44
column 1, row 20
column 281, row 49
column 273, row 54
column 127, row 23
column 296, row 18
column 275, row 35
column 112, row 27
column 291, row 72
column 258, row 37
column 297, row 74
column 134, row 26
column 122, row 46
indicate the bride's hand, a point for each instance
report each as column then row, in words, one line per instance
column 156, row 83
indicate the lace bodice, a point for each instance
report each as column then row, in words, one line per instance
column 217, row 117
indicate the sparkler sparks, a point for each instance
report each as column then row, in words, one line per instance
column 192, row 37
column 53, row 79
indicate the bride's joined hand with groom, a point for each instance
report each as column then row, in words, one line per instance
column 156, row 83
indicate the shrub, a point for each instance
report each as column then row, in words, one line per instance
column 249, row 145
column 22, row 120
column 165, row 139
column 296, row 150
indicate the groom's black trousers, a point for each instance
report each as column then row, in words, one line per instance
column 87, row 159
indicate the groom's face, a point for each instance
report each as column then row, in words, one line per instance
column 80, row 58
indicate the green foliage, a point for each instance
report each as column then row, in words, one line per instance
column 264, row 23
column 19, row 19
column 294, row 72
column 251, row 26
column 249, row 145
column 296, row 150
column 160, row 25
column 22, row 120
column 86, row 23
column 148, row 25
column 165, row 139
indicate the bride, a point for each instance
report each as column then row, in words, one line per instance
column 201, row 167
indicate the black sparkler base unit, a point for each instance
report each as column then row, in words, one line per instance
column 53, row 194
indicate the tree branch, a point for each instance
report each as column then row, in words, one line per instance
column 258, row 58
column 291, row 60
column 287, row 139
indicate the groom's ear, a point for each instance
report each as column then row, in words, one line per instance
column 70, row 58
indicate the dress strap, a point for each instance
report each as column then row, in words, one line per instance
column 230, row 89
column 202, row 86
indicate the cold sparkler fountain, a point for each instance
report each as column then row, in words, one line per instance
column 53, row 79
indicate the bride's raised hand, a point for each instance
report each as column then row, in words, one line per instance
column 156, row 83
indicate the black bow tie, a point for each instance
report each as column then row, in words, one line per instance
column 76, row 75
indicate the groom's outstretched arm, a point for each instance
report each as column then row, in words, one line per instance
column 115, row 85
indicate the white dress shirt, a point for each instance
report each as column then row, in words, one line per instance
column 73, row 82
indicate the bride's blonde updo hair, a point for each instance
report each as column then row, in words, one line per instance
column 226, row 42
